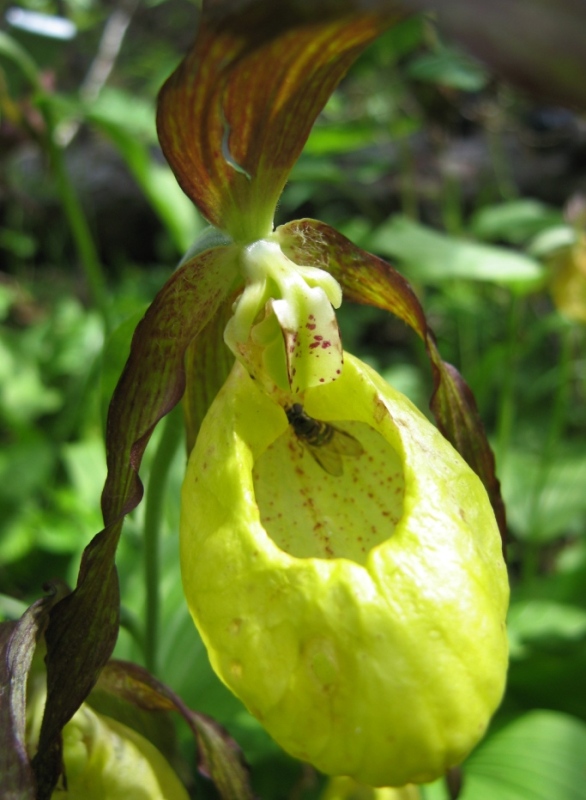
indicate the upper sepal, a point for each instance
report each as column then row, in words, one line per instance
column 234, row 116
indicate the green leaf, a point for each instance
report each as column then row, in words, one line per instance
column 11, row 49
column 514, row 221
column 174, row 209
column 544, row 624
column 123, row 110
column 448, row 67
column 340, row 138
column 558, row 237
column 433, row 257
column 559, row 492
column 539, row 756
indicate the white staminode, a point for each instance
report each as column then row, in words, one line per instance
column 284, row 322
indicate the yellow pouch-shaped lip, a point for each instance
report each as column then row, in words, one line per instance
column 361, row 616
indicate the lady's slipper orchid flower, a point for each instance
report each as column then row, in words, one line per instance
column 359, row 616
column 357, row 609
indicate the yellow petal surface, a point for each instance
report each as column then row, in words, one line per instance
column 360, row 616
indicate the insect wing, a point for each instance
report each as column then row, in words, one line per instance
column 325, row 443
column 327, row 458
column 345, row 444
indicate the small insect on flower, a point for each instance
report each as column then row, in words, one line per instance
column 325, row 443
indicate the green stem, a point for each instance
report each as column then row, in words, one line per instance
column 409, row 205
column 506, row 410
column 502, row 172
column 157, row 486
column 78, row 224
column 557, row 424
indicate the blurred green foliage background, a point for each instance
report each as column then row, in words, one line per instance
column 474, row 191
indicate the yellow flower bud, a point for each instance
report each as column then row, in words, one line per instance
column 106, row 760
column 568, row 284
column 353, row 597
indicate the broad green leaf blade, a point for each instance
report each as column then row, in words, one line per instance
column 448, row 67
column 220, row 758
column 433, row 257
column 17, row 646
column 370, row 280
column 235, row 115
column 544, row 625
column 539, row 756
column 546, row 500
